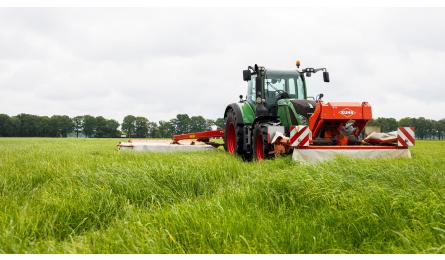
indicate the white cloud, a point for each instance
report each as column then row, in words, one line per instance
column 160, row 62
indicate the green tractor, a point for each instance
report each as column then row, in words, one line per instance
column 277, row 117
column 276, row 99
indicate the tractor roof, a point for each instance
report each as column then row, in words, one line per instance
column 286, row 73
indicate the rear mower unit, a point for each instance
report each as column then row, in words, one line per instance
column 201, row 141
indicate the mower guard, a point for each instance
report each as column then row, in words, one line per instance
column 314, row 154
column 162, row 146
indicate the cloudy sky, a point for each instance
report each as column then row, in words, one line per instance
column 161, row 62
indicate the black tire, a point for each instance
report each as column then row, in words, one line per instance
column 233, row 134
column 260, row 145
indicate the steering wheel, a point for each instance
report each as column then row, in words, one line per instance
column 280, row 94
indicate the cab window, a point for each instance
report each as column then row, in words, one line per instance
column 300, row 88
column 251, row 90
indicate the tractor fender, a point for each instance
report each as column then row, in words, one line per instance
column 234, row 107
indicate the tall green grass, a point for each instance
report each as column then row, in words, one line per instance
column 83, row 196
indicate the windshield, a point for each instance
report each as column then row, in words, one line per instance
column 278, row 82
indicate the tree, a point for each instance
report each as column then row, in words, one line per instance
column 431, row 132
column 406, row 121
column 128, row 125
column 141, row 127
column 112, row 126
column 89, row 125
column 14, row 126
column 106, row 127
column 78, row 125
column 66, row 125
column 52, row 127
column 44, row 126
column 386, row 124
column 197, row 124
column 181, row 123
column 60, row 126
column 26, row 125
column 101, row 127
column 436, row 130
column 153, row 131
column 6, row 125
column 166, row 129
column 210, row 123
column 219, row 122
column 441, row 128
column 421, row 127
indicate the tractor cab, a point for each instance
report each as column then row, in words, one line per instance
column 280, row 93
column 276, row 85
column 283, row 84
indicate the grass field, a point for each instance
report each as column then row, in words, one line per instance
column 83, row 196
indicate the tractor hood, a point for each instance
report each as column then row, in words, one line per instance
column 295, row 111
column 303, row 107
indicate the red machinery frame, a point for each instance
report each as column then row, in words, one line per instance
column 200, row 136
column 331, row 116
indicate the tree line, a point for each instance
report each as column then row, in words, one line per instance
column 424, row 128
column 27, row 125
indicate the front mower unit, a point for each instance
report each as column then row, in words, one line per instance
column 334, row 129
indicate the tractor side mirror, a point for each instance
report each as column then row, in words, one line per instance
column 246, row 75
column 325, row 76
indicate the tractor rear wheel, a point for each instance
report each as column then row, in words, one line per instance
column 233, row 134
column 261, row 147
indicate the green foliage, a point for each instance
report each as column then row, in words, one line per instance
column 424, row 128
column 181, row 124
column 97, row 126
column 166, row 129
column 106, row 127
column 141, row 127
column 198, row 124
column 89, row 125
column 153, row 130
column 386, row 124
column 6, row 125
column 60, row 126
column 26, row 125
column 128, row 125
column 78, row 125
column 220, row 123
column 84, row 196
